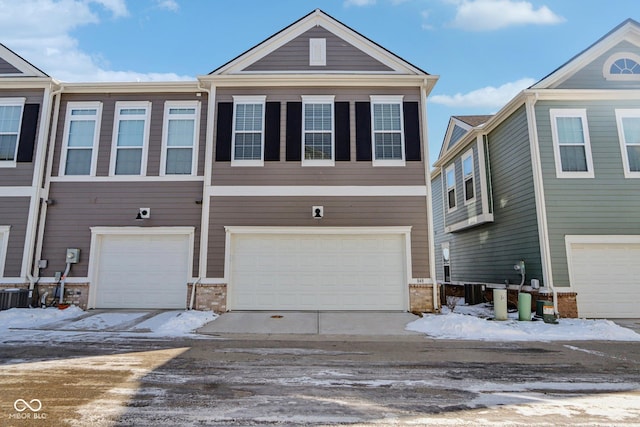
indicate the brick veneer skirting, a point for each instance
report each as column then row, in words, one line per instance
column 421, row 299
column 74, row 293
column 209, row 297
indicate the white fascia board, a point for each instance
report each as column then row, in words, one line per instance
column 26, row 82
column 134, row 87
column 317, row 191
column 318, row 18
column 320, row 80
column 584, row 94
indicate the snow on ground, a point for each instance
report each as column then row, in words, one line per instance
column 474, row 323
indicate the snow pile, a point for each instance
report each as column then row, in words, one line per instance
column 34, row 317
column 176, row 323
column 474, row 323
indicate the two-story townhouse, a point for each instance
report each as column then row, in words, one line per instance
column 293, row 177
column 25, row 103
column 551, row 180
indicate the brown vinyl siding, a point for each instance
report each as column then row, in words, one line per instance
column 341, row 56
column 14, row 211
column 155, row 128
column 343, row 173
column 338, row 212
column 81, row 205
column 22, row 174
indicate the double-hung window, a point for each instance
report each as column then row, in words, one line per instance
column 388, row 131
column 450, row 177
column 318, row 141
column 629, row 136
column 248, row 131
column 571, row 143
column 81, row 135
column 467, row 177
column 130, row 138
column 179, row 138
column 10, row 121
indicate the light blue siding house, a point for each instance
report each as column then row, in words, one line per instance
column 552, row 179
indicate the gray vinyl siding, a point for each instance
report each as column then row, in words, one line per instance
column 487, row 253
column 14, row 212
column 155, row 129
column 343, row 173
column 81, row 205
column 439, row 236
column 294, row 56
column 22, row 174
column 338, row 212
column 456, row 134
column 6, row 68
column 464, row 212
column 606, row 204
column 591, row 76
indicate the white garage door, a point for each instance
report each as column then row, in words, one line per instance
column 142, row 271
column 606, row 277
column 318, row 272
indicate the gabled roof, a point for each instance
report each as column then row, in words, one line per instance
column 458, row 127
column 319, row 18
column 628, row 30
column 13, row 65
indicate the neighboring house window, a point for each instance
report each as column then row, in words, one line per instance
column 248, row 131
column 179, row 138
column 467, row 177
column 571, row 143
column 10, row 121
column 387, row 128
column 318, row 143
column 450, row 175
column 130, row 138
column 81, row 135
column 622, row 66
column 629, row 136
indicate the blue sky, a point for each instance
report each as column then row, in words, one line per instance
column 485, row 51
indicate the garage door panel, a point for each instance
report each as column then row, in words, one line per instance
column 606, row 277
column 313, row 272
column 142, row 271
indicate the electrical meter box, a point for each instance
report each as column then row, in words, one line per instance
column 73, row 255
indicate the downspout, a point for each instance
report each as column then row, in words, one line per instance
column 42, row 193
column 427, row 177
column 538, row 185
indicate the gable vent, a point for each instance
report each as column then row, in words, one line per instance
column 317, row 52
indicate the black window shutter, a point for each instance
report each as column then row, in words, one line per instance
column 28, row 133
column 411, row 132
column 343, row 137
column 294, row 131
column 272, row 132
column 224, row 131
column 363, row 131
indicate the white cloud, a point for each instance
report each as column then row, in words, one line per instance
column 40, row 32
column 359, row 3
column 486, row 97
column 486, row 15
column 170, row 5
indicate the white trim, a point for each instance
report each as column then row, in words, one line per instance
column 538, row 188
column 97, row 119
column 304, row 190
column 22, row 191
column 581, row 114
column 168, row 105
column 253, row 100
column 469, row 222
column 206, row 201
column 333, row 80
column 4, row 246
column 450, row 168
column 387, row 99
column 126, row 178
column 13, row 102
column 606, row 69
column 94, row 252
column 469, row 155
column 317, row 52
column 318, row 99
column 620, row 114
column 427, row 175
column 120, row 105
column 482, row 165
